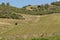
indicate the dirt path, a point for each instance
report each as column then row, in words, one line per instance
column 5, row 23
column 37, row 19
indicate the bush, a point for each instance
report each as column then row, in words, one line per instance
column 14, row 15
column 43, row 39
column 39, row 39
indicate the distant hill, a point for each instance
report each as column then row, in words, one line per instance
column 54, row 7
column 8, row 11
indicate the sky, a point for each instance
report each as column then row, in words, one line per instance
column 21, row 3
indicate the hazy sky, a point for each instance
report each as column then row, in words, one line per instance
column 21, row 3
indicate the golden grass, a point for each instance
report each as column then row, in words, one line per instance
column 49, row 24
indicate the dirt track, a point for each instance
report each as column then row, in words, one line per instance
column 4, row 23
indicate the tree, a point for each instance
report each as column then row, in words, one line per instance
column 39, row 6
column 56, row 3
column 3, row 4
column 46, row 6
column 8, row 4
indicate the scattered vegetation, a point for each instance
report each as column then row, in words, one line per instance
column 11, row 12
column 34, row 25
column 48, row 38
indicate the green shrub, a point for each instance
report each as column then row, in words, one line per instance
column 39, row 39
column 14, row 16
column 43, row 39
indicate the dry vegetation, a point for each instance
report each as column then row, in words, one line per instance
column 23, row 24
column 36, row 26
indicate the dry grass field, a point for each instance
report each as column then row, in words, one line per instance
column 32, row 26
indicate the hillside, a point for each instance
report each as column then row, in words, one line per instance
column 10, row 11
column 48, row 25
column 38, row 21
column 51, row 22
